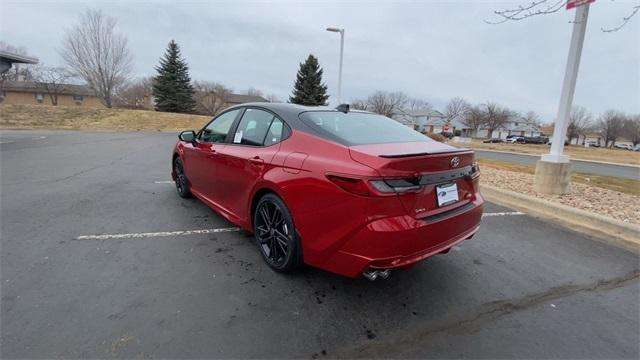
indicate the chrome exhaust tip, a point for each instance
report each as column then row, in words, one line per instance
column 384, row 273
column 373, row 274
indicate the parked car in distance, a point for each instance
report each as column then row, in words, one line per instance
column 493, row 141
column 516, row 139
column 448, row 135
column 593, row 143
column 351, row 192
column 536, row 140
column 623, row 146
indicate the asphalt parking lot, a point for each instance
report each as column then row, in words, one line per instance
column 521, row 288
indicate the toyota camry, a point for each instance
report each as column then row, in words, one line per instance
column 351, row 192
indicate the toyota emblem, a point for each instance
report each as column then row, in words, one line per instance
column 455, row 161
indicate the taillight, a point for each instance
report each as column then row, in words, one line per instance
column 396, row 185
column 373, row 187
column 352, row 185
column 475, row 177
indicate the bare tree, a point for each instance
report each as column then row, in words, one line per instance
column 386, row 103
column 495, row 116
column 52, row 79
column 254, row 92
column 97, row 54
column 631, row 128
column 611, row 124
column 358, row 104
column 456, row 108
column 545, row 7
column 473, row 118
column 579, row 122
column 135, row 94
column 211, row 97
column 418, row 104
column 532, row 117
column 273, row 98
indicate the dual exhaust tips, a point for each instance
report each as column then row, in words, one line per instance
column 373, row 274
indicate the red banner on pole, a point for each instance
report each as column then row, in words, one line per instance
column 575, row 3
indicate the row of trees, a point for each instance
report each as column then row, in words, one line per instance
column 389, row 103
column 96, row 53
column 611, row 125
column 101, row 57
column 490, row 116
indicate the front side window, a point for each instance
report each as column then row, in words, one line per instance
column 217, row 130
column 257, row 129
column 355, row 128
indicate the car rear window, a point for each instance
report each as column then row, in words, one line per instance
column 356, row 128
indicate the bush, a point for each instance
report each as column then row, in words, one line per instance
column 437, row 137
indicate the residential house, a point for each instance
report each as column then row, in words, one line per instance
column 235, row 99
column 421, row 120
column 29, row 92
column 518, row 126
column 434, row 121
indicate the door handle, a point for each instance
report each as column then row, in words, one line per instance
column 212, row 153
column 256, row 160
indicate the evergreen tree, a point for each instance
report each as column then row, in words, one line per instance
column 172, row 87
column 309, row 89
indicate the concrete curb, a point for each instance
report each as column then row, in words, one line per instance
column 572, row 159
column 616, row 231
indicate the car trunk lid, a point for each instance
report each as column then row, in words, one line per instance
column 430, row 165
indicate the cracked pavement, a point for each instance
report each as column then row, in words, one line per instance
column 522, row 288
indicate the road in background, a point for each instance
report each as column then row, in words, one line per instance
column 521, row 288
column 628, row 172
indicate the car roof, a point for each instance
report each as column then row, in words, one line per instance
column 290, row 112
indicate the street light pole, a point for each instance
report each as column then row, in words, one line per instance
column 568, row 87
column 553, row 170
column 341, row 31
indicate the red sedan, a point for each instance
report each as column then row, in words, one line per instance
column 347, row 191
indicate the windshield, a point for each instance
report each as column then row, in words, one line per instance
column 355, row 128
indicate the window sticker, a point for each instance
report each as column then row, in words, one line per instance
column 237, row 139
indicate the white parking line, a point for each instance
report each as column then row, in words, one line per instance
column 156, row 234
column 210, row 231
column 163, row 182
column 507, row 213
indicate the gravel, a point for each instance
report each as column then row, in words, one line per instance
column 614, row 204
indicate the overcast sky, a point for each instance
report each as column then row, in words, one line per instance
column 432, row 50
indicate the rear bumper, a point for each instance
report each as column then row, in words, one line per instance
column 401, row 241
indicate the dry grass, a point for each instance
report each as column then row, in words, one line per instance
column 622, row 185
column 82, row 118
column 576, row 152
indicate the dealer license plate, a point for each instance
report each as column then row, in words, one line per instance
column 447, row 194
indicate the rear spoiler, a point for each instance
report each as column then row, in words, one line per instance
column 426, row 153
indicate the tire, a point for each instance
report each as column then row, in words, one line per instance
column 275, row 234
column 182, row 183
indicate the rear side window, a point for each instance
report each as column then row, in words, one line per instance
column 276, row 132
column 217, row 130
column 258, row 128
column 355, row 128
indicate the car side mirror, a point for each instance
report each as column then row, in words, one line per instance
column 189, row 136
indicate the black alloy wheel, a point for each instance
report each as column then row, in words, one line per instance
column 275, row 233
column 181, row 179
